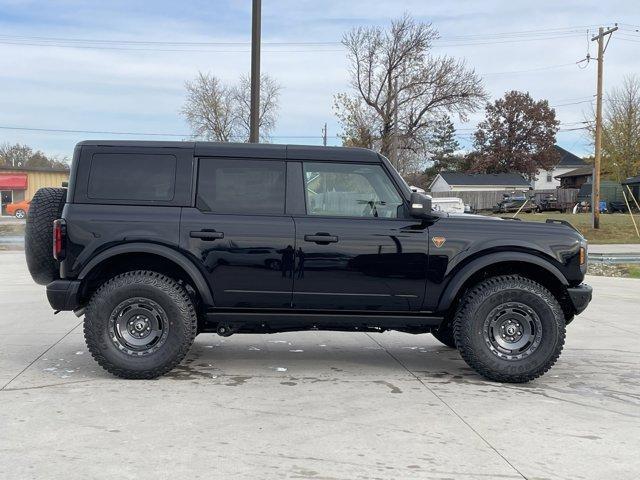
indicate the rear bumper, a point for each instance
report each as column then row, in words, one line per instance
column 580, row 297
column 64, row 294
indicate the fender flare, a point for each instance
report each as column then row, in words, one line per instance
column 170, row 254
column 455, row 284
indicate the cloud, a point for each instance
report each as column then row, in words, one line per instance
column 142, row 90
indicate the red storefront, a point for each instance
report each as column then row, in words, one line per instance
column 12, row 187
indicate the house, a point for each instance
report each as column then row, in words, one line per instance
column 575, row 178
column 632, row 185
column 548, row 179
column 18, row 184
column 488, row 182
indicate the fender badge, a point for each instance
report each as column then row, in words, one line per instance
column 438, row 241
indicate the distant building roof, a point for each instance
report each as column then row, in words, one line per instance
column 578, row 172
column 631, row 180
column 484, row 179
column 33, row 169
column 568, row 159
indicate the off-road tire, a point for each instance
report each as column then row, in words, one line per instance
column 164, row 291
column 46, row 206
column 477, row 305
column 445, row 335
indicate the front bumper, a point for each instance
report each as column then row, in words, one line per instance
column 580, row 296
column 64, row 294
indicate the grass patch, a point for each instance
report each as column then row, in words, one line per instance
column 633, row 271
column 614, row 227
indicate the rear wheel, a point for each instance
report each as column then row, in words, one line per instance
column 509, row 329
column 140, row 324
column 20, row 213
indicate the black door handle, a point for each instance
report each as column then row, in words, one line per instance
column 321, row 238
column 207, row 235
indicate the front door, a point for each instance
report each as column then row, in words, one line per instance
column 356, row 248
column 239, row 233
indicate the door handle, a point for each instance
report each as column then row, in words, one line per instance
column 206, row 235
column 321, row 238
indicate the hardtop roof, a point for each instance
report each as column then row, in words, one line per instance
column 251, row 150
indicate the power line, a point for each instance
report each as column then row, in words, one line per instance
column 204, row 46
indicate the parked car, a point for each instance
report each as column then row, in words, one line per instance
column 549, row 203
column 448, row 205
column 156, row 242
column 513, row 203
column 18, row 209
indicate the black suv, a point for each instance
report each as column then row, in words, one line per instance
column 155, row 242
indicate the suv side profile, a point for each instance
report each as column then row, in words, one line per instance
column 156, row 242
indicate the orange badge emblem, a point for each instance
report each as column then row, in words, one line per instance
column 438, row 241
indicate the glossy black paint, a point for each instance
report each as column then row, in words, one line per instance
column 328, row 272
column 373, row 264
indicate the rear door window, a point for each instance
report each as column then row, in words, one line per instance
column 240, row 186
column 134, row 177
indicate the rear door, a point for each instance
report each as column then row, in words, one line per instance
column 357, row 249
column 239, row 233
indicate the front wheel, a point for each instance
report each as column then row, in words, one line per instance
column 140, row 324
column 509, row 329
column 20, row 213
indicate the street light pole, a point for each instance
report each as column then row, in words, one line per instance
column 254, row 120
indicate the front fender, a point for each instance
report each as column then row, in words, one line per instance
column 465, row 272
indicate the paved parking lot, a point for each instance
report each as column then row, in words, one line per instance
column 317, row 405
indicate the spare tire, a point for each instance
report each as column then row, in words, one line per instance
column 46, row 206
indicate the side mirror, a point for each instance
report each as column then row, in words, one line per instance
column 420, row 205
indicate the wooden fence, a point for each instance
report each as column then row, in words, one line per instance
column 485, row 200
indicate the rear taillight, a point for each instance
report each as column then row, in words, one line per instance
column 59, row 239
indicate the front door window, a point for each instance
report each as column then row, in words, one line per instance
column 350, row 190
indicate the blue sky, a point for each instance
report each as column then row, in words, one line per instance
column 139, row 87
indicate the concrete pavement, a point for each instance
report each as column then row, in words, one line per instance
column 616, row 248
column 317, row 405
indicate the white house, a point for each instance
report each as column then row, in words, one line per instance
column 488, row 182
column 547, row 179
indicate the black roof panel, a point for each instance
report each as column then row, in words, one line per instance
column 346, row 154
column 253, row 150
column 242, row 150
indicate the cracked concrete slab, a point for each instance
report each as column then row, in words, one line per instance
column 323, row 405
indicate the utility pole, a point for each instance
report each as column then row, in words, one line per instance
column 254, row 120
column 324, row 134
column 394, row 138
column 595, row 193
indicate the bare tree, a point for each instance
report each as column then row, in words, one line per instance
column 220, row 112
column 269, row 96
column 209, row 108
column 395, row 76
column 621, row 130
column 23, row 156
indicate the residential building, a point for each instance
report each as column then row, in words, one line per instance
column 548, row 179
column 488, row 182
column 575, row 178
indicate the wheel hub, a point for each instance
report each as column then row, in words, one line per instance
column 512, row 331
column 138, row 326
